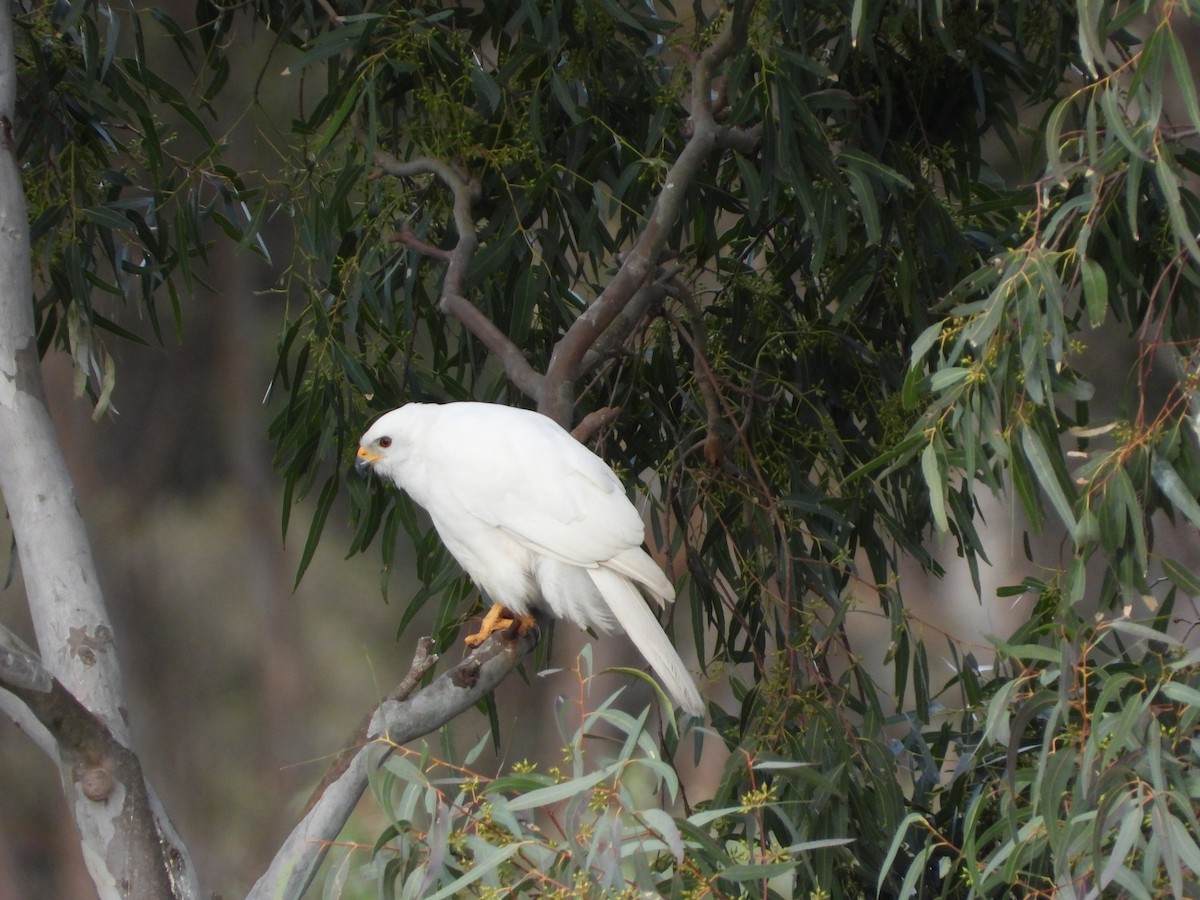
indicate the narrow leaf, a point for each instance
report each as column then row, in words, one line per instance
column 1181, row 576
column 1183, row 73
column 932, row 471
column 558, row 792
column 664, row 826
column 1095, row 290
column 482, row 865
column 1047, row 477
column 1168, row 177
column 324, row 502
column 1053, row 130
column 1172, row 486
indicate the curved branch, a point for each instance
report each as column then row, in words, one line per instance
column 394, row 721
column 594, row 421
column 453, row 300
column 424, row 659
column 705, row 136
column 509, row 355
column 464, row 193
column 644, row 299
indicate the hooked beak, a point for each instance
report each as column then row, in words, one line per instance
column 366, row 460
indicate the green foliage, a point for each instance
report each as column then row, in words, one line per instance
column 1109, row 231
column 122, row 175
column 809, row 268
column 878, row 311
column 1075, row 769
column 598, row 825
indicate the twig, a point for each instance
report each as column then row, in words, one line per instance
column 644, row 299
column 408, row 238
column 706, row 380
column 593, row 422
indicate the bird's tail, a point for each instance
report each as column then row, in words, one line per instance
column 637, row 564
column 630, row 610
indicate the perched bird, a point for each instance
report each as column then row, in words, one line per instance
column 535, row 518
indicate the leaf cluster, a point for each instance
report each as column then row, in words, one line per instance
column 123, row 176
column 1001, row 380
column 1075, row 770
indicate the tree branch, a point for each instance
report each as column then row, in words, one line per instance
column 509, row 355
column 453, row 301
column 705, row 136
column 626, row 320
column 594, row 421
column 424, row 659
column 399, row 719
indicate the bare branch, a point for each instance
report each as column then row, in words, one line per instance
column 509, row 355
column 464, row 193
column 644, row 299
column 408, row 238
column 394, row 722
column 424, row 659
column 705, row 136
column 19, row 665
column 593, row 422
column 453, row 300
column 740, row 140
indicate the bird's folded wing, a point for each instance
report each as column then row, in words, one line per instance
column 547, row 491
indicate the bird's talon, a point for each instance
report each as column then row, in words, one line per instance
column 520, row 625
column 497, row 619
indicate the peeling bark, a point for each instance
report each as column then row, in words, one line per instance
column 129, row 847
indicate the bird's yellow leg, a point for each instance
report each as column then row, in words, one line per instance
column 498, row 618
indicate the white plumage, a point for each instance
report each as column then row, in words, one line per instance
column 534, row 517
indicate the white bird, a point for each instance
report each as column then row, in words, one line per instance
column 535, row 518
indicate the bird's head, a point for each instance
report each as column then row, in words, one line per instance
column 374, row 447
column 370, row 454
column 383, row 449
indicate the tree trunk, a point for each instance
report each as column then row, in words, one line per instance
column 128, row 844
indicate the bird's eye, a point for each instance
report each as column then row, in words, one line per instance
column 385, row 442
